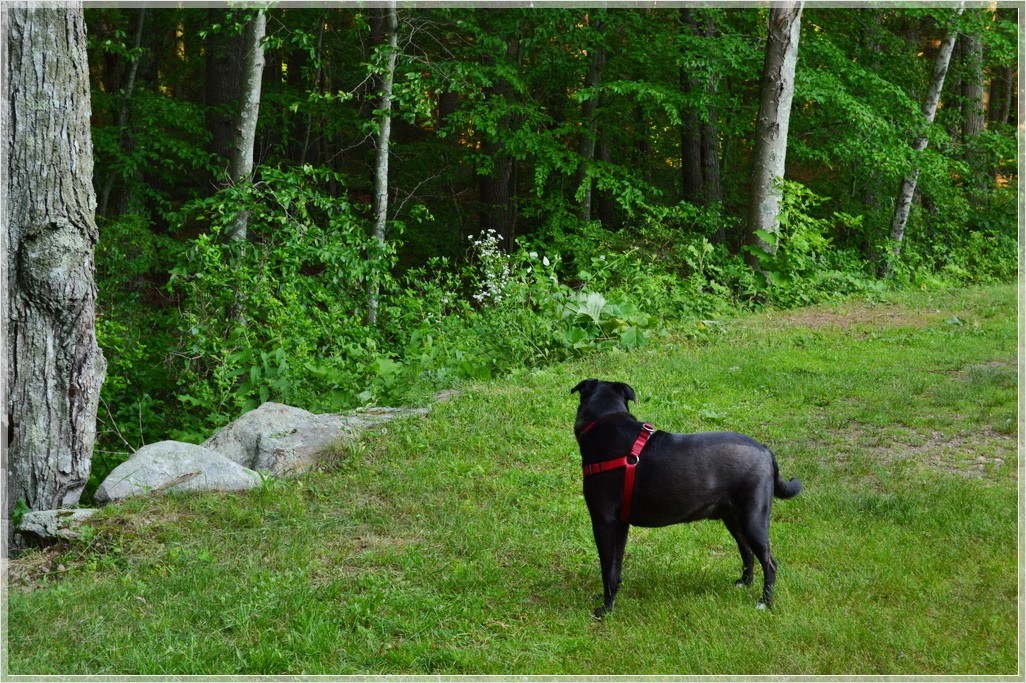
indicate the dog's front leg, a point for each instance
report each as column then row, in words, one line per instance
column 611, row 541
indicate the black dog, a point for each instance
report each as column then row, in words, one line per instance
column 636, row 475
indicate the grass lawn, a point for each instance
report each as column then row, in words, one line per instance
column 459, row 543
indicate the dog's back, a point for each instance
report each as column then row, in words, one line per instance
column 687, row 477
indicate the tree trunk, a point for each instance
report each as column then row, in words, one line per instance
column 972, row 86
column 498, row 189
column 691, row 127
column 54, row 366
column 973, row 114
column 241, row 168
column 223, row 84
column 381, row 158
column 777, row 88
column 108, row 184
column 712, row 185
column 903, row 203
column 589, row 134
column 700, row 136
column 1000, row 95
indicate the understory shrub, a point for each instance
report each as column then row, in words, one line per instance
column 278, row 315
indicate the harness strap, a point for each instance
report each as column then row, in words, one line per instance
column 629, row 461
column 591, row 424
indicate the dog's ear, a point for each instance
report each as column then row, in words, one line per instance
column 585, row 388
column 627, row 391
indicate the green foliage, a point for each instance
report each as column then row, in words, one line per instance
column 803, row 266
column 257, row 315
column 134, row 327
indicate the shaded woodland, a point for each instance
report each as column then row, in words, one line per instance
column 443, row 194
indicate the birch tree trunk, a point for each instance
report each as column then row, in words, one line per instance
column 241, row 168
column 54, row 366
column 777, row 90
column 903, row 203
column 381, row 153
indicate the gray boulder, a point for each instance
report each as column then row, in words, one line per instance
column 174, row 466
column 50, row 525
column 284, row 440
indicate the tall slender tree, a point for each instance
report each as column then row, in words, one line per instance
column 241, row 169
column 54, row 366
column 381, row 153
column 903, row 203
column 777, row 92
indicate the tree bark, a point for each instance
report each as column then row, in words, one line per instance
column 974, row 114
column 903, row 203
column 777, row 92
column 54, row 366
column 973, row 87
column 381, row 153
column 589, row 134
column 241, row 168
column 223, row 84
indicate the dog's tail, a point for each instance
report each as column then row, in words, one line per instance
column 784, row 489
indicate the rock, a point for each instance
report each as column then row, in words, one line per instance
column 174, row 466
column 51, row 525
column 283, row 440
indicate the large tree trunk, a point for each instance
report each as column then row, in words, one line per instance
column 241, row 168
column 777, row 89
column 903, row 203
column 54, row 367
column 381, row 158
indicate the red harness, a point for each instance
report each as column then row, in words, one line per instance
column 629, row 461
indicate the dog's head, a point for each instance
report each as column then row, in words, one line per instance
column 600, row 398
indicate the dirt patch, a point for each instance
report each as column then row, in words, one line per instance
column 36, row 568
column 856, row 315
column 984, row 453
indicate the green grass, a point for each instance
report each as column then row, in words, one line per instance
column 459, row 543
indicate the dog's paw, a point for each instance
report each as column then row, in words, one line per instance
column 762, row 606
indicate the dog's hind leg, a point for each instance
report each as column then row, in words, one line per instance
column 611, row 541
column 747, row 557
column 755, row 528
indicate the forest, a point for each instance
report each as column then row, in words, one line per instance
column 432, row 195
